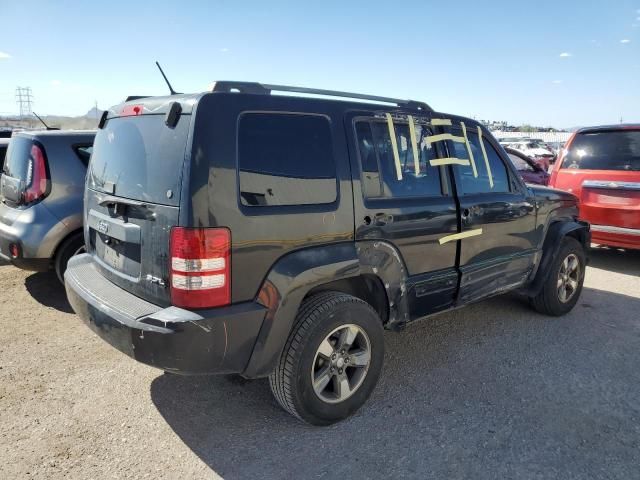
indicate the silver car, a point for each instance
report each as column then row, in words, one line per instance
column 41, row 191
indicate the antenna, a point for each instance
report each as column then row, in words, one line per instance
column 42, row 121
column 173, row 92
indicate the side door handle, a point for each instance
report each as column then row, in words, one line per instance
column 382, row 218
column 465, row 214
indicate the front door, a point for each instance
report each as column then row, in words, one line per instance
column 402, row 199
column 497, row 233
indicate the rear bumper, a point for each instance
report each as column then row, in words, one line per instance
column 182, row 341
column 615, row 236
column 34, row 264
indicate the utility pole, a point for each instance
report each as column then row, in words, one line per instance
column 24, row 98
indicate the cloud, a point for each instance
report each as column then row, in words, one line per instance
column 625, row 40
column 565, row 55
column 56, row 83
column 4, row 55
column 556, row 82
column 224, row 50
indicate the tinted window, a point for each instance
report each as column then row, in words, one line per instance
column 285, row 159
column 17, row 158
column 140, row 158
column 519, row 163
column 376, row 152
column 3, row 152
column 467, row 182
column 618, row 150
column 84, row 153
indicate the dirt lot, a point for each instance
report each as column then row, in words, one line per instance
column 492, row 391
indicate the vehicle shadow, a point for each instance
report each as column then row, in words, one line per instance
column 47, row 290
column 615, row 260
column 493, row 390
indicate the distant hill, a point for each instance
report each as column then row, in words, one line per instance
column 89, row 121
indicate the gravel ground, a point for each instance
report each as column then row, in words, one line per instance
column 490, row 391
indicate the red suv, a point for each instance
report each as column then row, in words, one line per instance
column 601, row 165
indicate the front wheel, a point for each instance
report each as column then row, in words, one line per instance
column 562, row 289
column 332, row 359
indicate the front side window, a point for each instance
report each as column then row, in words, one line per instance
column 492, row 176
column 408, row 175
column 285, row 159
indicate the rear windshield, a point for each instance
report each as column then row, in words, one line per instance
column 615, row 150
column 140, row 158
column 17, row 159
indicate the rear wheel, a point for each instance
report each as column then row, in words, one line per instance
column 562, row 289
column 70, row 247
column 332, row 359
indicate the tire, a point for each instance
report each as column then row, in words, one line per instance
column 322, row 319
column 550, row 299
column 70, row 247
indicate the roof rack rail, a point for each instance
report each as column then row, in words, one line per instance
column 266, row 89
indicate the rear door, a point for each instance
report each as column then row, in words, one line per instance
column 133, row 200
column 602, row 167
column 402, row 197
column 498, row 220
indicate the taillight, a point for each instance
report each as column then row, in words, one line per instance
column 36, row 176
column 200, row 267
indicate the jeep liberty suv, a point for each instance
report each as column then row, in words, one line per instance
column 239, row 231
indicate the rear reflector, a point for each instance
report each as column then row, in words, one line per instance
column 200, row 268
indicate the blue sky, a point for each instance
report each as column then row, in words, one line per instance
column 560, row 63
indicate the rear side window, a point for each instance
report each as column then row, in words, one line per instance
column 83, row 152
column 613, row 150
column 491, row 178
column 412, row 176
column 285, row 159
column 3, row 153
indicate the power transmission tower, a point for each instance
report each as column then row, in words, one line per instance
column 24, row 98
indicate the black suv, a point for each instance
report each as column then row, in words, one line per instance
column 237, row 231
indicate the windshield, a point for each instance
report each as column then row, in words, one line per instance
column 141, row 158
column 612, row 150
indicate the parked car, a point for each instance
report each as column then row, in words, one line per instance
column 238, row 231
column 41, row 190
column 4, row 143
column 527, row 168
column 601, row 165
column 535, row 150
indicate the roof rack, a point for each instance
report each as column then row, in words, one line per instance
column 266, row 89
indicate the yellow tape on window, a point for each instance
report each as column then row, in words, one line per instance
column 444, row 136
column 486, row 159
column 440, row 122
column 449, row 161
column 414, row 145
column 466, row 141
column 394, row 146
column 460, row 236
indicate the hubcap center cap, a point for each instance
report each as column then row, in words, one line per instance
column 340, row 362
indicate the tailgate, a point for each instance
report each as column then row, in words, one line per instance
column 611, row 203
column 132, row 201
